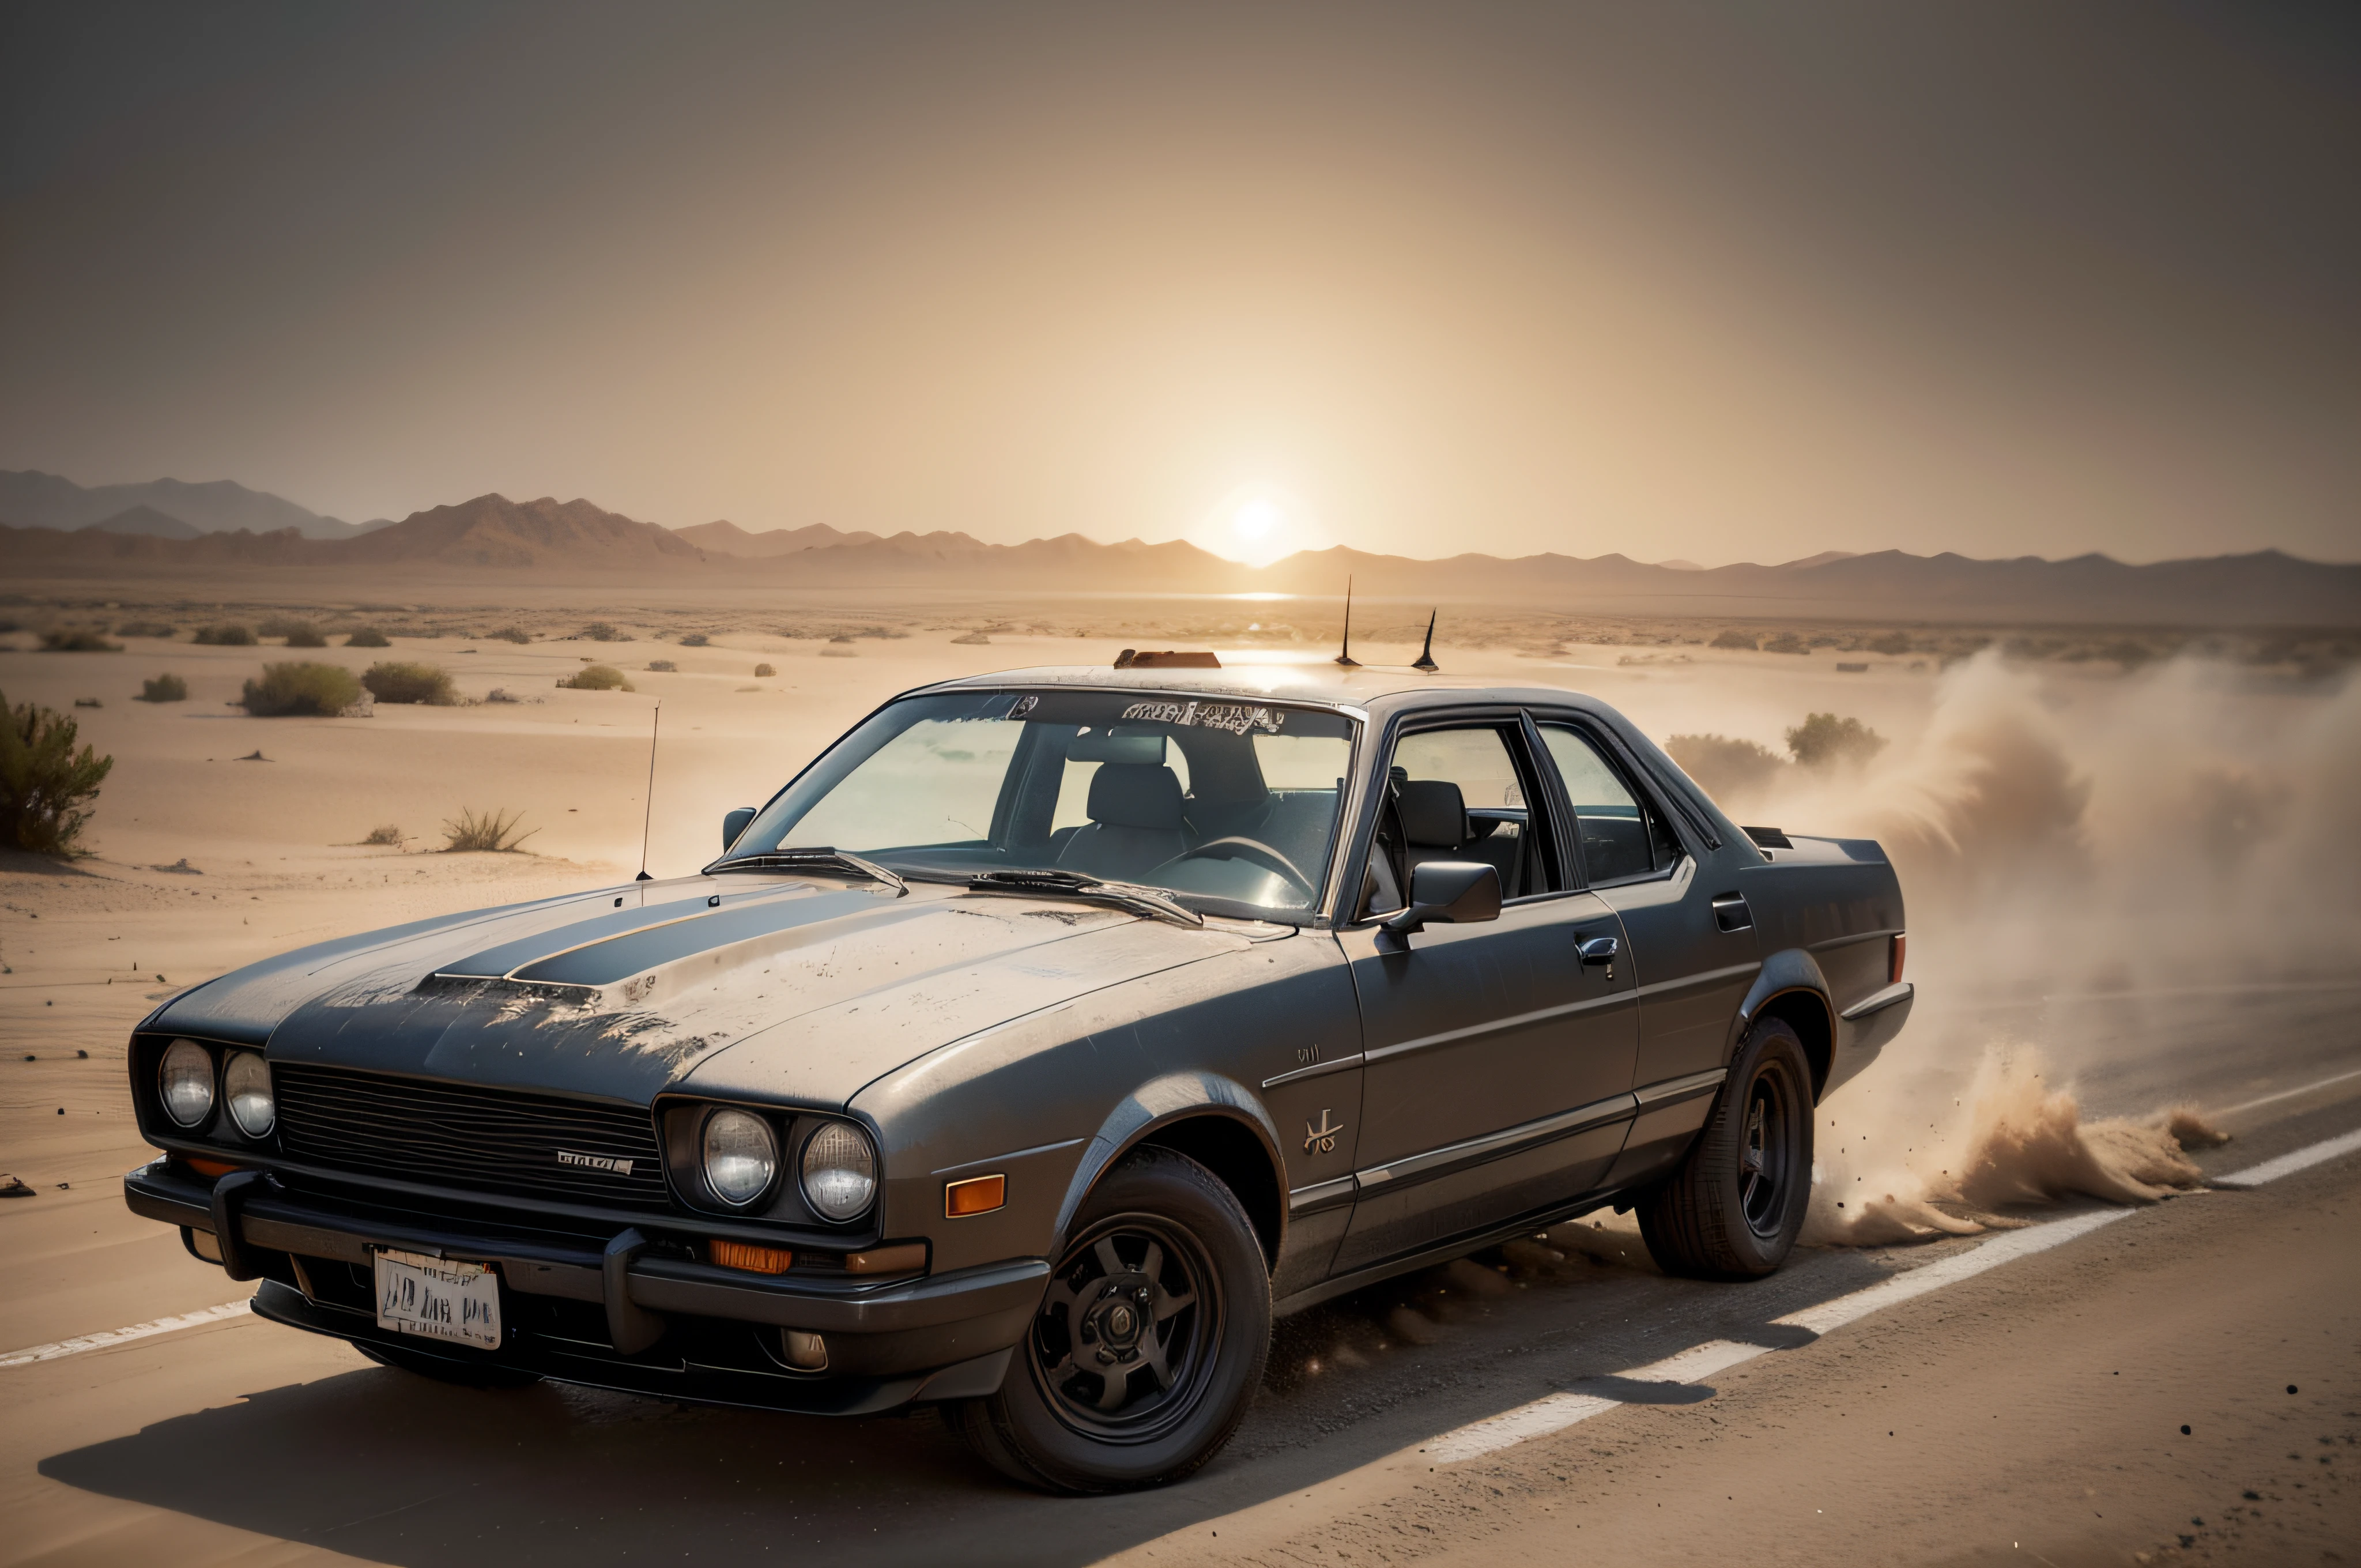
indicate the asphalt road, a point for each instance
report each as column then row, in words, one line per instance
column 240, row 1441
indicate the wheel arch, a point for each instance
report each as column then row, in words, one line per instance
column 1792, row 989
column 1213, row 1121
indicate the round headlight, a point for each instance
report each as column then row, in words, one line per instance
column 840, row 1170
column 186, row 1081
column 741, row 1155
column 246, row 1083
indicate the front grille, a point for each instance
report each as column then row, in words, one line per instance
column 495, row 1140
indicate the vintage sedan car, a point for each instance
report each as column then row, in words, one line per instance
column 1041, row 1042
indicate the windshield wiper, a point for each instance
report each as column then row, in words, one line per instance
column 1073, row 884
column 818, row 856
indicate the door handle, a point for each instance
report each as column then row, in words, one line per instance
column 1731, row 913
column 1597, row 949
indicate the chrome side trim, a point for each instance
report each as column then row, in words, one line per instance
column 1878, row 1001
column 1495, row 1026
column 1434, row 1162
column 1686, row 1088
column 1316, row 1070
column 1319, row 1196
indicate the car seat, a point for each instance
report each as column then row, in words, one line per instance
column 1135, row 823
column 1435, row 827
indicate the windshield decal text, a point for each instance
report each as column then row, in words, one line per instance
column 1235, row 717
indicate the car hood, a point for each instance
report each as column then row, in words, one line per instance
column 623, row 994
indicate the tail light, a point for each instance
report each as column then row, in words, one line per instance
column 1893, row 961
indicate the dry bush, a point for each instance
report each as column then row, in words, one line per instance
column 492, row 831
column 45, row 785
column 78, row 642
column 228, row 634
column 293, row 690
column 600, row 632
column 394, row 680
column 1824, row 740
column 1733, row 639
column 164, row 688
column 694, row 639
column 307, row 636
column 762, row 670
column 389, row 834
column 597, row 678
column 1724, row 766
column 147, row 629
column 663, row 666
column 368, row 637
column 510, row 634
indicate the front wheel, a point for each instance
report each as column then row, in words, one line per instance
column 1734, row 1207
column 1148, row 1343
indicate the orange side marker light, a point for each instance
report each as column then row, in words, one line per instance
column 752, row 1258
column 976, row 1195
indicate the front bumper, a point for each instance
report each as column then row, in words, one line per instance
column 691, row 1331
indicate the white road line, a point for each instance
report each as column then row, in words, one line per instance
column 1555, row 1412
column 81, row 1342
column 2283, row 1094
column 2288, row 1163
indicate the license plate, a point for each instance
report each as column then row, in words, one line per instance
column 438, row 1299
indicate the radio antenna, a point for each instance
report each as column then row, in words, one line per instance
column 1344, row 655
column 648, row 818
column 1426, row 654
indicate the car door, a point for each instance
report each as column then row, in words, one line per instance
column 1693, row 954
column 1496, row 1066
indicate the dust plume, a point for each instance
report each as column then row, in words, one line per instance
column 2061, row 835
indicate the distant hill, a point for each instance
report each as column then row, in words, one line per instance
column 146, row 520
column 732, row 540
column 553, row 541
column 30, row 498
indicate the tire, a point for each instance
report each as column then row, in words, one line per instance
column 1734, row 1207
column 469, row 1374
column 1148, row 1345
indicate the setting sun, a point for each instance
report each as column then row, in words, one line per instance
column 1256, row 525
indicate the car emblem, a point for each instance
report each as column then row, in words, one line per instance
column 1321, row 1139
column 595, row 1161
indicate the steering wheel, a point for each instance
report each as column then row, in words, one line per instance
column 1260, row 853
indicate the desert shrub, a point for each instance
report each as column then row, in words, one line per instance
column 306, row 635
column 78, row 642
column 147, row 629
column 492, row 830
column 389, row 834
column 44, row 784
column 292, row 690
column 762, row 670
column 597, row 678
column 368, row 637
column 164, row 688
column 1824, row 740
column 281, row 626
column 512, row 634
column 600, row 632
column 663, row 666
column 1733, row 639
column 1893, row 644
column 1723, row 766
column 694, row 639
column 393, row 681
column 228, row 634
column 1787, row 643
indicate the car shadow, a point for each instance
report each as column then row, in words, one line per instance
column 384, row 1465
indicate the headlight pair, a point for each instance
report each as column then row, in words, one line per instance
column 184, row 1080
column 740, row 1154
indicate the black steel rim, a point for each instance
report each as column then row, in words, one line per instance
column 1124, row 1343
column 1767, row 1154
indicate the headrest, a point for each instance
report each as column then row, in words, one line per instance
column 1135, row 794
column 1433, row 816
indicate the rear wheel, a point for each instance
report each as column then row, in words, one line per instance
column 1734, row 1207
column 1150, row 1341
column 446, row 1369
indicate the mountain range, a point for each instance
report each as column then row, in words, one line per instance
column 559, row 540
column 30, row 498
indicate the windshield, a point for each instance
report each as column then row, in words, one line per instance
column 1220, row 801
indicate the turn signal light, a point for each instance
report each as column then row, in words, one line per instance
column 213, row 1167
column 1893, row 969
column 752, row 1258
column 976, row 1195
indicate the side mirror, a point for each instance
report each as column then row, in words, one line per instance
column 1457, row 893
column 734, row 822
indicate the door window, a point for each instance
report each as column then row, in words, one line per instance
column 1622, row 835
column 1457, row 795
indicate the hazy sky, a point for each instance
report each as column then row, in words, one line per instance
column 1738, row 282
